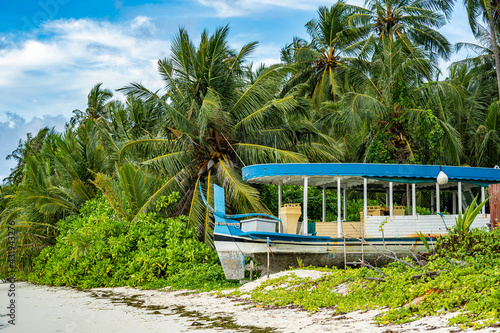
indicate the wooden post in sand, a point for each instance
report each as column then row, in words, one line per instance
column 268, row 248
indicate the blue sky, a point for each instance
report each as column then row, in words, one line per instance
column 53, row 51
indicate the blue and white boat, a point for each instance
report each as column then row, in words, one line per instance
column 341, row 242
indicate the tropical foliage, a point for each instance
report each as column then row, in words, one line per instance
column 96, row 249
column 467, row 289
column 365, row 87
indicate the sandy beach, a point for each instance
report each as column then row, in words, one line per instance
column 60, row 309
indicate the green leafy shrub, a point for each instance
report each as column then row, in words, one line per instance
column 478, row 243
column 471, row 290
column 462, row 277
column 465, row 221
column 95, row 249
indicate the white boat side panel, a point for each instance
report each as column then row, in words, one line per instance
column 280, row 248
column 407, row 226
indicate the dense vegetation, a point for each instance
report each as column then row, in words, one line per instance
column 95, row 249
column 464, row 281
column 363, row 87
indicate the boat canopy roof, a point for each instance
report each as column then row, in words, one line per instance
column 352, row 174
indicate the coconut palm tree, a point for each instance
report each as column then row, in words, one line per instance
column 396, row 108
column 55, row 184
column 415, row 20
column 482, row 66
column 217, row 119
column 488, row 12
column 477, row 121
column 319, row 67
column 98, row 101
column 30, row 146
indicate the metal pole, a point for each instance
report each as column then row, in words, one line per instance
column 438, row 199
column 408, row 198
column 280, row 199
column 365, row 197
column 483, row 210
column 339, row 207
column 268, row 250
column 345, row 204
column 414, row 199
column 391, row 213
column 460, row 197
column 324, row 204
column 304, row 219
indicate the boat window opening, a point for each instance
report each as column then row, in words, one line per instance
column 433, row 203
column 454, row 203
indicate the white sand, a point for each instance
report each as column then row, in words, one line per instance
column 44, row 309
column 41, row 309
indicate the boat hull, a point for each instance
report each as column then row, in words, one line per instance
column 290, row 250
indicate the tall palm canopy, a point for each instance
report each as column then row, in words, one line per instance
column 414, row 20
column 489, row 12
column 322, row 63
column 97, row 105
column 215, row 121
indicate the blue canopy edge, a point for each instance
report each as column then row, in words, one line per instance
column 402, row 173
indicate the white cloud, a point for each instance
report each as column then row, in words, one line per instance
column 72, row 56
column 45, row 77
column 230, row 8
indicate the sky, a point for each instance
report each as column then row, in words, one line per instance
column 52, row 52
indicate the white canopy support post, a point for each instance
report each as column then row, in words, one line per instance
column 391, row 191
column 304, row 207
column 365, row 198
column 408, row 200
column 483, row 210
column 345, row 204
column 280, row 199
column 454, row 203
column 438, row 199
column 324, row 204
column 433, row 203
column 414, row 199
column 339, row 207
column 460, row 197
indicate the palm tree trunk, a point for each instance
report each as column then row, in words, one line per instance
column 496, row 53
